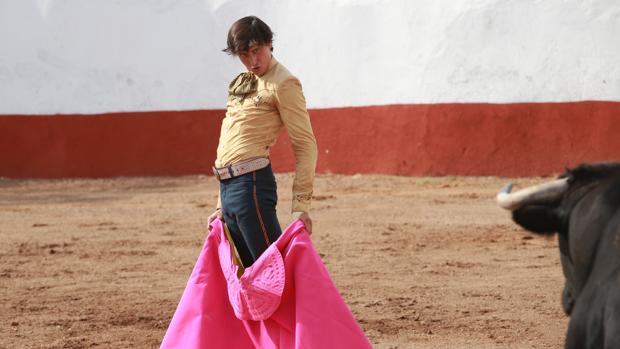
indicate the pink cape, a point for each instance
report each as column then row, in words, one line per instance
column 286, row 299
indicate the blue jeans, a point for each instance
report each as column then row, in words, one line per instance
column 249, row 210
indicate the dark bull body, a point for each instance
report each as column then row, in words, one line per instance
column 586, row 217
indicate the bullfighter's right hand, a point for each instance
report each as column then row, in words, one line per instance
column 214, row 215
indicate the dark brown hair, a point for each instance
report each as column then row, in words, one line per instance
column 245, row 32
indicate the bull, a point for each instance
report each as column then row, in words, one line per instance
column 583, row 207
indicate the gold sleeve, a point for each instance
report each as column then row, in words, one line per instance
column 291, row 105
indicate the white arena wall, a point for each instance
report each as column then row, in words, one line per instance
column 106, row 88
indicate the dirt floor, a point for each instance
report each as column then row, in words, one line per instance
column 422, row 262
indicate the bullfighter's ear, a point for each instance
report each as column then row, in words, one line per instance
column 538, row 219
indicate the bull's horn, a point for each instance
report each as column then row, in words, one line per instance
column 539, row 194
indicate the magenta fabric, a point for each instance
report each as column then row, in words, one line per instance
column 286, row 299
column 257, row 294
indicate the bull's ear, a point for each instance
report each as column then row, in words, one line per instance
column 538, row 219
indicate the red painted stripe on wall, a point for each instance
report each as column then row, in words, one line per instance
column 522, row 139
column 116, row 144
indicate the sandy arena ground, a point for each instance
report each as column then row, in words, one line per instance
column 422, row 262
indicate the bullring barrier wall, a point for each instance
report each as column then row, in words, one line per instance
column 510, row 88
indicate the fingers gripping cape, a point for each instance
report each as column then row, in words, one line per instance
column 286, row 299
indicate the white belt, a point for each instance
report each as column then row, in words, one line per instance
column 240, row 168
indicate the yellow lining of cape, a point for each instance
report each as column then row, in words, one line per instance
column 234, row 253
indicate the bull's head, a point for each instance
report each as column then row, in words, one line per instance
column 536, row 208
column 547, row 208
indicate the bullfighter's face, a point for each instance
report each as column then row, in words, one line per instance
column 257, row 58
